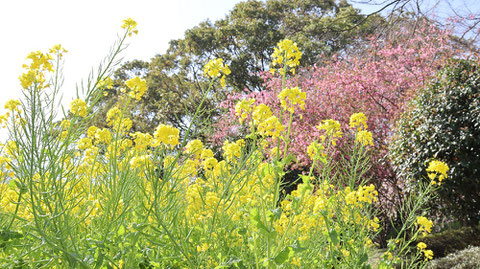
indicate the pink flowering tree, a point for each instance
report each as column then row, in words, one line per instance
column 377, row 80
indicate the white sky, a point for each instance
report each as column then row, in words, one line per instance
column 87, row 29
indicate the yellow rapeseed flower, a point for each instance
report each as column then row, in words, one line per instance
column 194, row 148
column 216, row 68
column 286, row 52
column 243, row 108
column 137, row 87
column 331, row 128
column 428, row 254
column 130, row 25
column 437, row 168
column 315, row 149
column 167, row 135
column 289, row 98
column 425, row 225
column 359, row 121
column 78, row 108
column 12, row 105
column 365, row 137
column 421, row 246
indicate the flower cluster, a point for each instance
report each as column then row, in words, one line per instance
column 40, row 64
column 289, row 98
column 216, row 68
column 130, row 25
column 426, row 252
column 78, row 108
column 167, row 135
column 437, row 169
column 137, row 87
column 425, row 225
column 244, row 108
column 286, row 54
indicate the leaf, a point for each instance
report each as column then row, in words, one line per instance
column 121, row 230
column 283, row 256
column 333, row 236
column 296, row 247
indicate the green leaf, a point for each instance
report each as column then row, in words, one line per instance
column 296, row 247
column 333, row 236
column 121, row 230
column 283, row 256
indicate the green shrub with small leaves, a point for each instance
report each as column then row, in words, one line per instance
column 451, row 240
column 465, row 259
column 443, row 122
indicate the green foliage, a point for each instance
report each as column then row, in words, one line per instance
column 443, row 122
column 464, row 259
column 449, row 241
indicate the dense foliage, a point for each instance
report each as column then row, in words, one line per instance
column 443, row 122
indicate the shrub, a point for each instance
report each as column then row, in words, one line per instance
column 468, row 258
column 443, row 122
column 449, row 241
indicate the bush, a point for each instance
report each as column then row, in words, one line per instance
column 468, row 258
column 449, row 241
column 443, row 122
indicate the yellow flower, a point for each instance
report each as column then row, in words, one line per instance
column 137, row 86
column 232, row 150
column 142, row 161
column 103, row 136
column 142, row 140
column 314, row 150
column 261, row 113
column 92, row 130
column 286, row 52
column 437, row 168
column 421, row 246
column 358, row 120
column 428, row 254
column 130, row 25
column 78, row 108
column 425, row 225
column 365, row 137
column 243, row 108
column 167, row 135
column 58, row 50
column 194, row 148
column 105, row 83
column 84, row 143
column 331, row 128
column 271, row 127
column 203, row 247
column 215, row 68
column 12, row 105
column 289, row 98
column 113, row 115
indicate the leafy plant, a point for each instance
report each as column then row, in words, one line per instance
column 443, row 122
